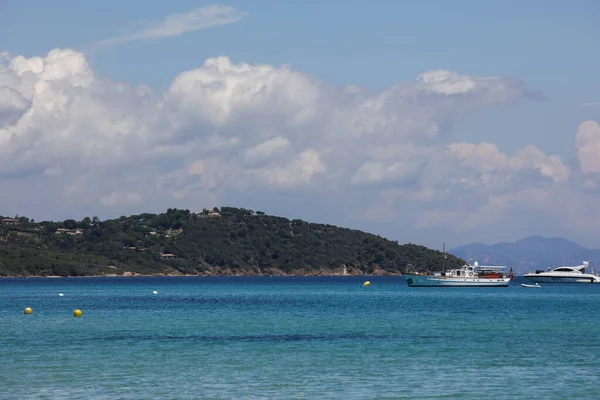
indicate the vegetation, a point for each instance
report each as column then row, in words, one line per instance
column 229, row 241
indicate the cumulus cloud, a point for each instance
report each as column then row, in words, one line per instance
column 264, row 150
column 180, row 23
column 300, row 170
column 486, row 158
column 74, row 141
column 12, row 105
column 587, row 142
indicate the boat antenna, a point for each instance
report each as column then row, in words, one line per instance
column 443, row 257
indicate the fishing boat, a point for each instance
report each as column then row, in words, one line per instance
column 466, row 276
column 530, row 286
column 564, row 274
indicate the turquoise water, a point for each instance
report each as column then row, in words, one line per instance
column 314, row 338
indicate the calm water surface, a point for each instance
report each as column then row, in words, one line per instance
column 314, row 338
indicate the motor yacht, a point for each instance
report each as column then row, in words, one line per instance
column 564, row 274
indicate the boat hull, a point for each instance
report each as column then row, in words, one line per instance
column 415, row 280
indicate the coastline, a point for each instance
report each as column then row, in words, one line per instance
column 122, row 272
column 224, row 274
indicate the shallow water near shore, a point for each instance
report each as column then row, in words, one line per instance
column 295, row 337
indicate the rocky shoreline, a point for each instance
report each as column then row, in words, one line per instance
column 218, row 271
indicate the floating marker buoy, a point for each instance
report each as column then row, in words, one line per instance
column 60, row 295
column 28, row 310
column 77, row 313
column 367, row 283
column 155, row 292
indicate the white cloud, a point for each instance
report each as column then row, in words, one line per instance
column 267, row 148
column 486, row 158
column 221, row 93
column 180, row 23
column 12, row 106
column 298, row 171
column 587, row 142
column 374, row 173
column 548, row 165
column 73, row 142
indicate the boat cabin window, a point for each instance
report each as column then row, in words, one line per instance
column 564, row 270
column 458, row 273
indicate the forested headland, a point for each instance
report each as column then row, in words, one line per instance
column 220, row 241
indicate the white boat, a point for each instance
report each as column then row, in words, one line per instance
column 466, row 276
column 527, row 285
column 564, row 274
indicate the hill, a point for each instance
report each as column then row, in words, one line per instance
column 229, row 241
column 529, row 254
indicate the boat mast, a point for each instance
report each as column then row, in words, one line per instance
column 443, row 257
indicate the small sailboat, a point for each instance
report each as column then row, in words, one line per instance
column 528, row 285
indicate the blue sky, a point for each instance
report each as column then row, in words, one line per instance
column 549, row 46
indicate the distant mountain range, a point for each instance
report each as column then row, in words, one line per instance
column 529, row 254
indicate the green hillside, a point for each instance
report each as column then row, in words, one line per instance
column 229, row 241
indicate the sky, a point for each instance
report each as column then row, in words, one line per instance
column 424, row 122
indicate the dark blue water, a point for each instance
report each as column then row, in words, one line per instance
column 313, row 337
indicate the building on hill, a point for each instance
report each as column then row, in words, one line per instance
column 67, row 231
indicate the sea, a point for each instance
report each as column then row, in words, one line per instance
column 295, row 338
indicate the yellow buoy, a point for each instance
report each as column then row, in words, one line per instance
column 77, row 313
column 367, row 283
column 28, row 310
